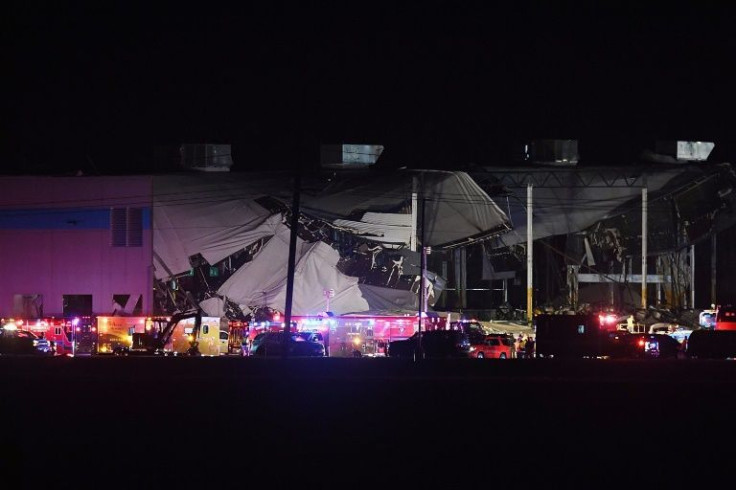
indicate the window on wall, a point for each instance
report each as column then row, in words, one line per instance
column 77, row 305
column 28, row 305
column 127, row 304
column 126, row 227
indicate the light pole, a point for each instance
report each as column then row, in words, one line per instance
column 329, row 293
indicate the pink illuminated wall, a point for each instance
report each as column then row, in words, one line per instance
column 56, row 239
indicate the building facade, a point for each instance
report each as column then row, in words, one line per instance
column 75, row 246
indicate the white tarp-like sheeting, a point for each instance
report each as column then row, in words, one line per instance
column 389, row 229
column 387, row 299
column 213, row 306
column 263, row 280
column 217, row 214
column 212, row 216
column 456, row 208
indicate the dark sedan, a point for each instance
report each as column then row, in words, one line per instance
column 649, row 345
column 13, row 341
column 435, row 344
column 272, row 343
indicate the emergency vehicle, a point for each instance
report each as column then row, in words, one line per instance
column 581, row 335
column 352, row 334
column 115, row 333
column 725, row 318
column 366, row 334
column 84, row 335
column 274, row 323
column 206, row 336
column 56, row 330
column 68, row 336
column 237, row 334
column 186, row 333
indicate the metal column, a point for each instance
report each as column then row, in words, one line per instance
column 692, row 277
column 644, row 247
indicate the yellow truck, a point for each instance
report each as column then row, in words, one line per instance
column 115, row 333
column 206, row 338
column 185, row 333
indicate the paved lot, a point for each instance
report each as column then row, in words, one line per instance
column 163, row 422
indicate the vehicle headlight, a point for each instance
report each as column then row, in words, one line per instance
column 35, row 342
column 472, row 348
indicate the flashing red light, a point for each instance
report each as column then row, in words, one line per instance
column 79, row 329
column 607, row 319
column 276, row 316
column 94, row 329
column 641, row 343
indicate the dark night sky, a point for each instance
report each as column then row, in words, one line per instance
column 439, row 84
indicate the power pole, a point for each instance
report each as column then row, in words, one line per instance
column 422, row 284
column 292, row 263
column 529, row 257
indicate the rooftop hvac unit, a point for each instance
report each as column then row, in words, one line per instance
column 206, row 157
column 685, row 151
column 349, row 155
column 551, row 152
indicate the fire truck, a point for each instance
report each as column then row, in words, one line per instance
column 725, row 318
column 367, row 334
column 68, row 336
column 351, row 335
column 237, row 333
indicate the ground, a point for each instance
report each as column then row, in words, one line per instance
column 161, row 422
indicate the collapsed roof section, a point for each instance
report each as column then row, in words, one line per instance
column 354, row 235
column 568, row 201
column 456, row 211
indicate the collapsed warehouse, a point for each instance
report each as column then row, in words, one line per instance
column 588, row 225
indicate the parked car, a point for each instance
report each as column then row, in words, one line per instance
column 474, row 329
column 705, row 343
column 494, row 346
column 312, row 336
column 13, row 341
column 271, row 344
column 651, row 346
column 435, row 344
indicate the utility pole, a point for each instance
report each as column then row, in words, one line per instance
column 292, row 262
column 422, row 284
column 713, row 242
column 414, row 204
column 529, row 256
